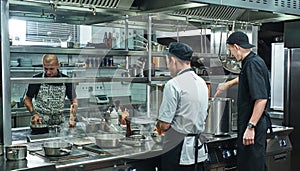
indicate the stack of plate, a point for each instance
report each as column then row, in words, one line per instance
column 14, row 63
column 25, row 62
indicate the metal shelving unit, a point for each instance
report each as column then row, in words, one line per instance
column 79, row 51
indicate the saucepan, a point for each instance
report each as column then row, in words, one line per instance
column 16, row 152
column 54, row 148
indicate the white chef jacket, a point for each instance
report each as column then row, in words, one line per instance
column 184, row 105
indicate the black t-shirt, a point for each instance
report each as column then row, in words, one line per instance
column 33, row 89
column 253, row 84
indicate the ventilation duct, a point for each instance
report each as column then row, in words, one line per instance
column 120, row 4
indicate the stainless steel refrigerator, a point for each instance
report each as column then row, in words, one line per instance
column 292, row 101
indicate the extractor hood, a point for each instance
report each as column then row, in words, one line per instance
column 83, row 12
column 202, row 11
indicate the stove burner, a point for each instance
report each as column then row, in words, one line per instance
column 106, row 151
column 75, row 154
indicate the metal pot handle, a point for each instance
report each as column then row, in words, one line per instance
column 65, row 150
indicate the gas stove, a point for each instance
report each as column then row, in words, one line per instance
column 75, row 154
column 108, row 151
column 222, row 153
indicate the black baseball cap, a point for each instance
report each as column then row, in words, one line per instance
column 180, row 50
column 240, row 39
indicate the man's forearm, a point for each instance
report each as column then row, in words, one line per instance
column 233, row 82
column 28, row 104
column 258, row 110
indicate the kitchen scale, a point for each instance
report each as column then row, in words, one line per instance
column 99, row 99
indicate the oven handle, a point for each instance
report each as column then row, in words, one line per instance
column 281, row 156
column 230, row 168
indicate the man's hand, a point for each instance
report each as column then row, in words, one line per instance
column 226, row 85
column 71, row 123
column 73, row 109
column 35, row 119
column 72, row 120
column 248, row 137
column 221, row 88
column 161, row 127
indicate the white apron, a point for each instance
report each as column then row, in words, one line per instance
column 187, row 156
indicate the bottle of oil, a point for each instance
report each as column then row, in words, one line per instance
column 128, row 129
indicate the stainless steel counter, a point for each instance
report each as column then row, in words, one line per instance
column 92, row 159
column 31, row 162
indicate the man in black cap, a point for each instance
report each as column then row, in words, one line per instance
column 253, row 94
column 182, row 112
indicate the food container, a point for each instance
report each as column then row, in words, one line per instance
column 108, row 140
column 1, row 149
column 16, row 152
column 14, row 63
column 67, row 44
column 55, row 148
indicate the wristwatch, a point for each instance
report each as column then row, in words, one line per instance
column 250, row 125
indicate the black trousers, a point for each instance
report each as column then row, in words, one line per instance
column 252, row 157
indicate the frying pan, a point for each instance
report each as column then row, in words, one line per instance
column 39, row 129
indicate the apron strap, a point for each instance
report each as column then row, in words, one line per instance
column 196, row 147
column 269, row 123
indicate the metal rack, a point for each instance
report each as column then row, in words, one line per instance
column 79, row 51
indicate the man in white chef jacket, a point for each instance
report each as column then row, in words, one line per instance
column 182, row 112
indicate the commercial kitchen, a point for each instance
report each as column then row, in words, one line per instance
column 112, row 51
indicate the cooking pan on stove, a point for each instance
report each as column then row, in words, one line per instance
column 55, row 148
column 39, row 129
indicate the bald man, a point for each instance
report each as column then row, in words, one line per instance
column 50, row 97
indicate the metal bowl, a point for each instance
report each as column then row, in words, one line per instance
column 137, row 137
column 108, row 140
column 55, row 148
column 16, row 152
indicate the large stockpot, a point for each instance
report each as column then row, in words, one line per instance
column 218, row 121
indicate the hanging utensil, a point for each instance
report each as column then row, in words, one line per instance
column 228, row 63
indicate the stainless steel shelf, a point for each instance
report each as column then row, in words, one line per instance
column 78, row 80
column 92, row 79
column 79, row 51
